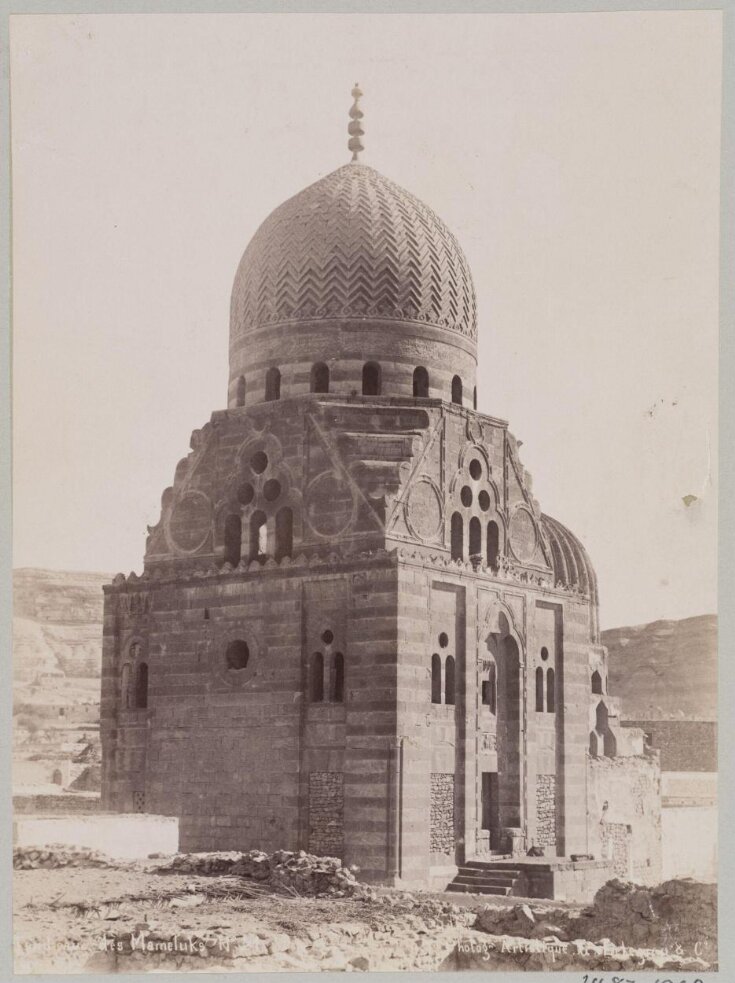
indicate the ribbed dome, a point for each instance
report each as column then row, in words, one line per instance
column 571, row 564
column 352, row 245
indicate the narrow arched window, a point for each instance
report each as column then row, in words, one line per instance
column 457, row 537
column 272, row 385
column 125, row 686
column 596, row 683
column 449, row 681
column 320, row 378
column 240, row 392
column 474, row 397
column 550, row 694
column 493, row 538
column 284, row 533
column 233, row 539
column 475, row 537
column 317, row 677
column 371, row 379
column 338, row 679
column 258, row 535
column 57, row 778
column 539, row 689
column 420, row 381
column 436, row 679
column 141, row 686
column 457, row 390
column 489, row 689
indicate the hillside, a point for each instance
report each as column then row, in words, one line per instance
column 666, row 669
column 57, row 623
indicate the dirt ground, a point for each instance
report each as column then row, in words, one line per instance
column 133, row 919
column 136, row 912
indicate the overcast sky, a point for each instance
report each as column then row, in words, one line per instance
column 575, row 156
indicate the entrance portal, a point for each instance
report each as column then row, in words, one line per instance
column 505, row 799
column 490, row 814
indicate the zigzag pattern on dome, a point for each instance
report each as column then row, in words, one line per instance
column 354, row 244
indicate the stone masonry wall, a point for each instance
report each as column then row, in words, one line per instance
column 441, row 828
column 616, row 846
column 624, row 815
column 546, row 810
column 326, row 831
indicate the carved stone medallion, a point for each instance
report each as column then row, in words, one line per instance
column 329, row 505
column 424, row 510
column 190, row 522
column 523, row 537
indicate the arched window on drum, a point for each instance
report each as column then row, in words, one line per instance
column 320, row 378
column 420, row 382
column 272, row 385
column 371, row 379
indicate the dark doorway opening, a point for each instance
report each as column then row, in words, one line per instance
column 490, row 813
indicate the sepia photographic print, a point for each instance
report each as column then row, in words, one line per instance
column 365, row 492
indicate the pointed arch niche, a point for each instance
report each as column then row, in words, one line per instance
column 503, row 645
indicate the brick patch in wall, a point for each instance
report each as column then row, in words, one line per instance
column 326, row 828
column 545, row 810
column 441, row 827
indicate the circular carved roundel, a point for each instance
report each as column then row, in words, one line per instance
column 329, row 505
column 522, row 535
column 424, row 511
column 190, row 522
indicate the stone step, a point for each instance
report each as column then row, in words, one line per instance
column 478, row 889
column 489, row 881
column 476, row 877
column 483, row 871
column 499, row 864
column 501, row 877
column 488, row 872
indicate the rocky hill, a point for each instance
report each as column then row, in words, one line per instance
column 665, row 670
column 57, row 623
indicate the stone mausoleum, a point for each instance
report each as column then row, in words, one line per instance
column 356, row 632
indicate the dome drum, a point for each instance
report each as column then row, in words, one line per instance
column 344, row 347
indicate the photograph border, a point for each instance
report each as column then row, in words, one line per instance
column 726, row 537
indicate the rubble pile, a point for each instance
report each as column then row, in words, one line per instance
column 678, row 915
column 311, row 875
column 299, row 873
column 525, row 921
column 676, row 920
column 59, row 855
column 432, row 912
column 206, row 864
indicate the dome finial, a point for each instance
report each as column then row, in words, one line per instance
column 355, row 126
